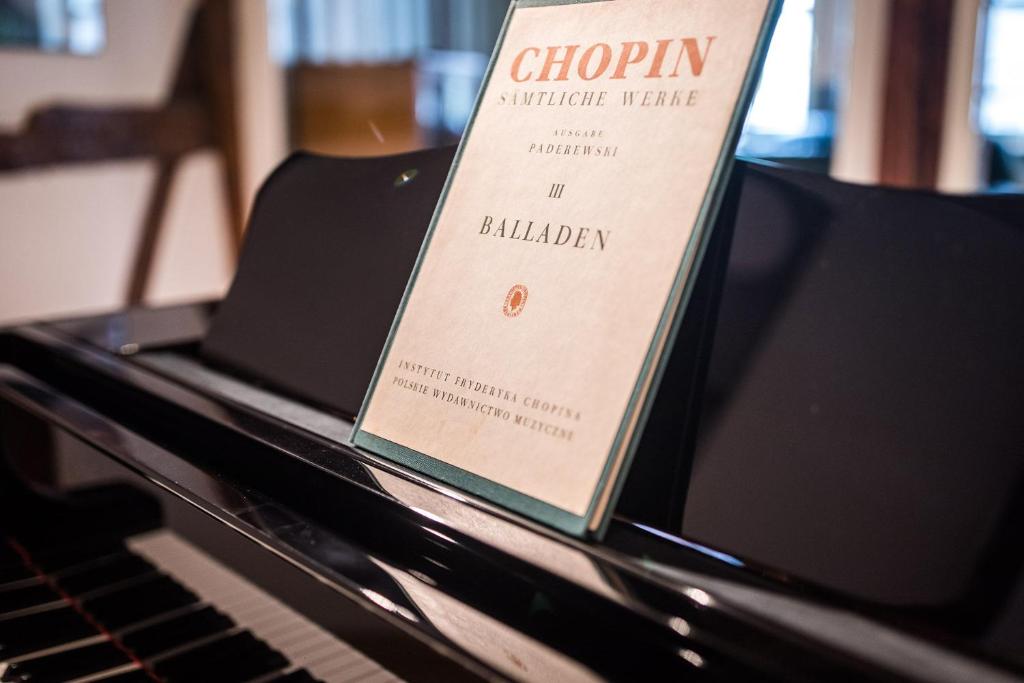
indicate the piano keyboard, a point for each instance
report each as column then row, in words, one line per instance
column 155, row 609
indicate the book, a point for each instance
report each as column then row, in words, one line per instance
column 549, row 289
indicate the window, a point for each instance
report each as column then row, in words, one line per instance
column 75, row 26
column 449, row 43
column 1001, row 92
column 782, row 104
column 792, row 114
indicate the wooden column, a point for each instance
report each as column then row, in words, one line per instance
column 915, row 91
column 216, row 28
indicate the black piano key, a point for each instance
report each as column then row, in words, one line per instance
column 232, row 659
column 15, row 572
column 29, row 596
column 137, row 602
column 22, row 635
column 118, row 568
column 171, row 633
column 52, row 558
column 7, row 553
column 13, row 568
column 68, row 665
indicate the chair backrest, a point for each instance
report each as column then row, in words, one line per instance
column 197, row 114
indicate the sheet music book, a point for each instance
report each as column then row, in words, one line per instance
column 549, row 289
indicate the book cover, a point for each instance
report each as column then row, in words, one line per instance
column 558, row 263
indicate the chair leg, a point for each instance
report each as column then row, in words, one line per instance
column 142, row 268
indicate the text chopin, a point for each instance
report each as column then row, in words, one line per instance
column 668, row 58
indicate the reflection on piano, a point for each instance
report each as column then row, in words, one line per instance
column 177, row 500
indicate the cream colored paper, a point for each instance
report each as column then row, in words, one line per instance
column 558, row 334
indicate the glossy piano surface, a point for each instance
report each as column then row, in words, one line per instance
column 833, row 489
column 152, row 606
column 455, row 580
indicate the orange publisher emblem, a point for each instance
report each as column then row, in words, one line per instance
column 515, row 300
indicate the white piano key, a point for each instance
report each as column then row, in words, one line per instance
column 108, row 673
column 377, row 677
column 348, row 671
column 289, row 636
column 34, row 609
column 381, row 677
column 55, row 649
column 287, row 632
column 256, row 612
column 301, row 641
column 20, row 583
column 320, row 651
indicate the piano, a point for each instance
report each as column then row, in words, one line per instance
column 833, row 487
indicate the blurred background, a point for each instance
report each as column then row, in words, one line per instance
column 134, row 135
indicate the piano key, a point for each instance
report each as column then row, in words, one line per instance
column 191, row 645
column 300, row 676
column 138, row 601
column 137, row 676
column 121, row 586
column 230, row 659
column 156, row 619
column 67, row 665
column 115, row 569
column 17, row 576
column 289, row 632
column 7, row 553
column 303, row 643
column 53, row 558
column 88, row 564
column 350, row 671
column 118, row 573
column 103, row 676
column 26, row 582
column 61, row 647
column 176, row 631
column 9, row 558
column 56, row 603
column 56, row 563
column 377, row 677
column 21, row 598
column 41, row 631
column 311, row 648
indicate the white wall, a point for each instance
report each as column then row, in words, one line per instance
column 67, row 234
column 262, row 117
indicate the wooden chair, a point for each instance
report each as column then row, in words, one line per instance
column 198, row 114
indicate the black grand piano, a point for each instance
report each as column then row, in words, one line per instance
column 831, row 486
